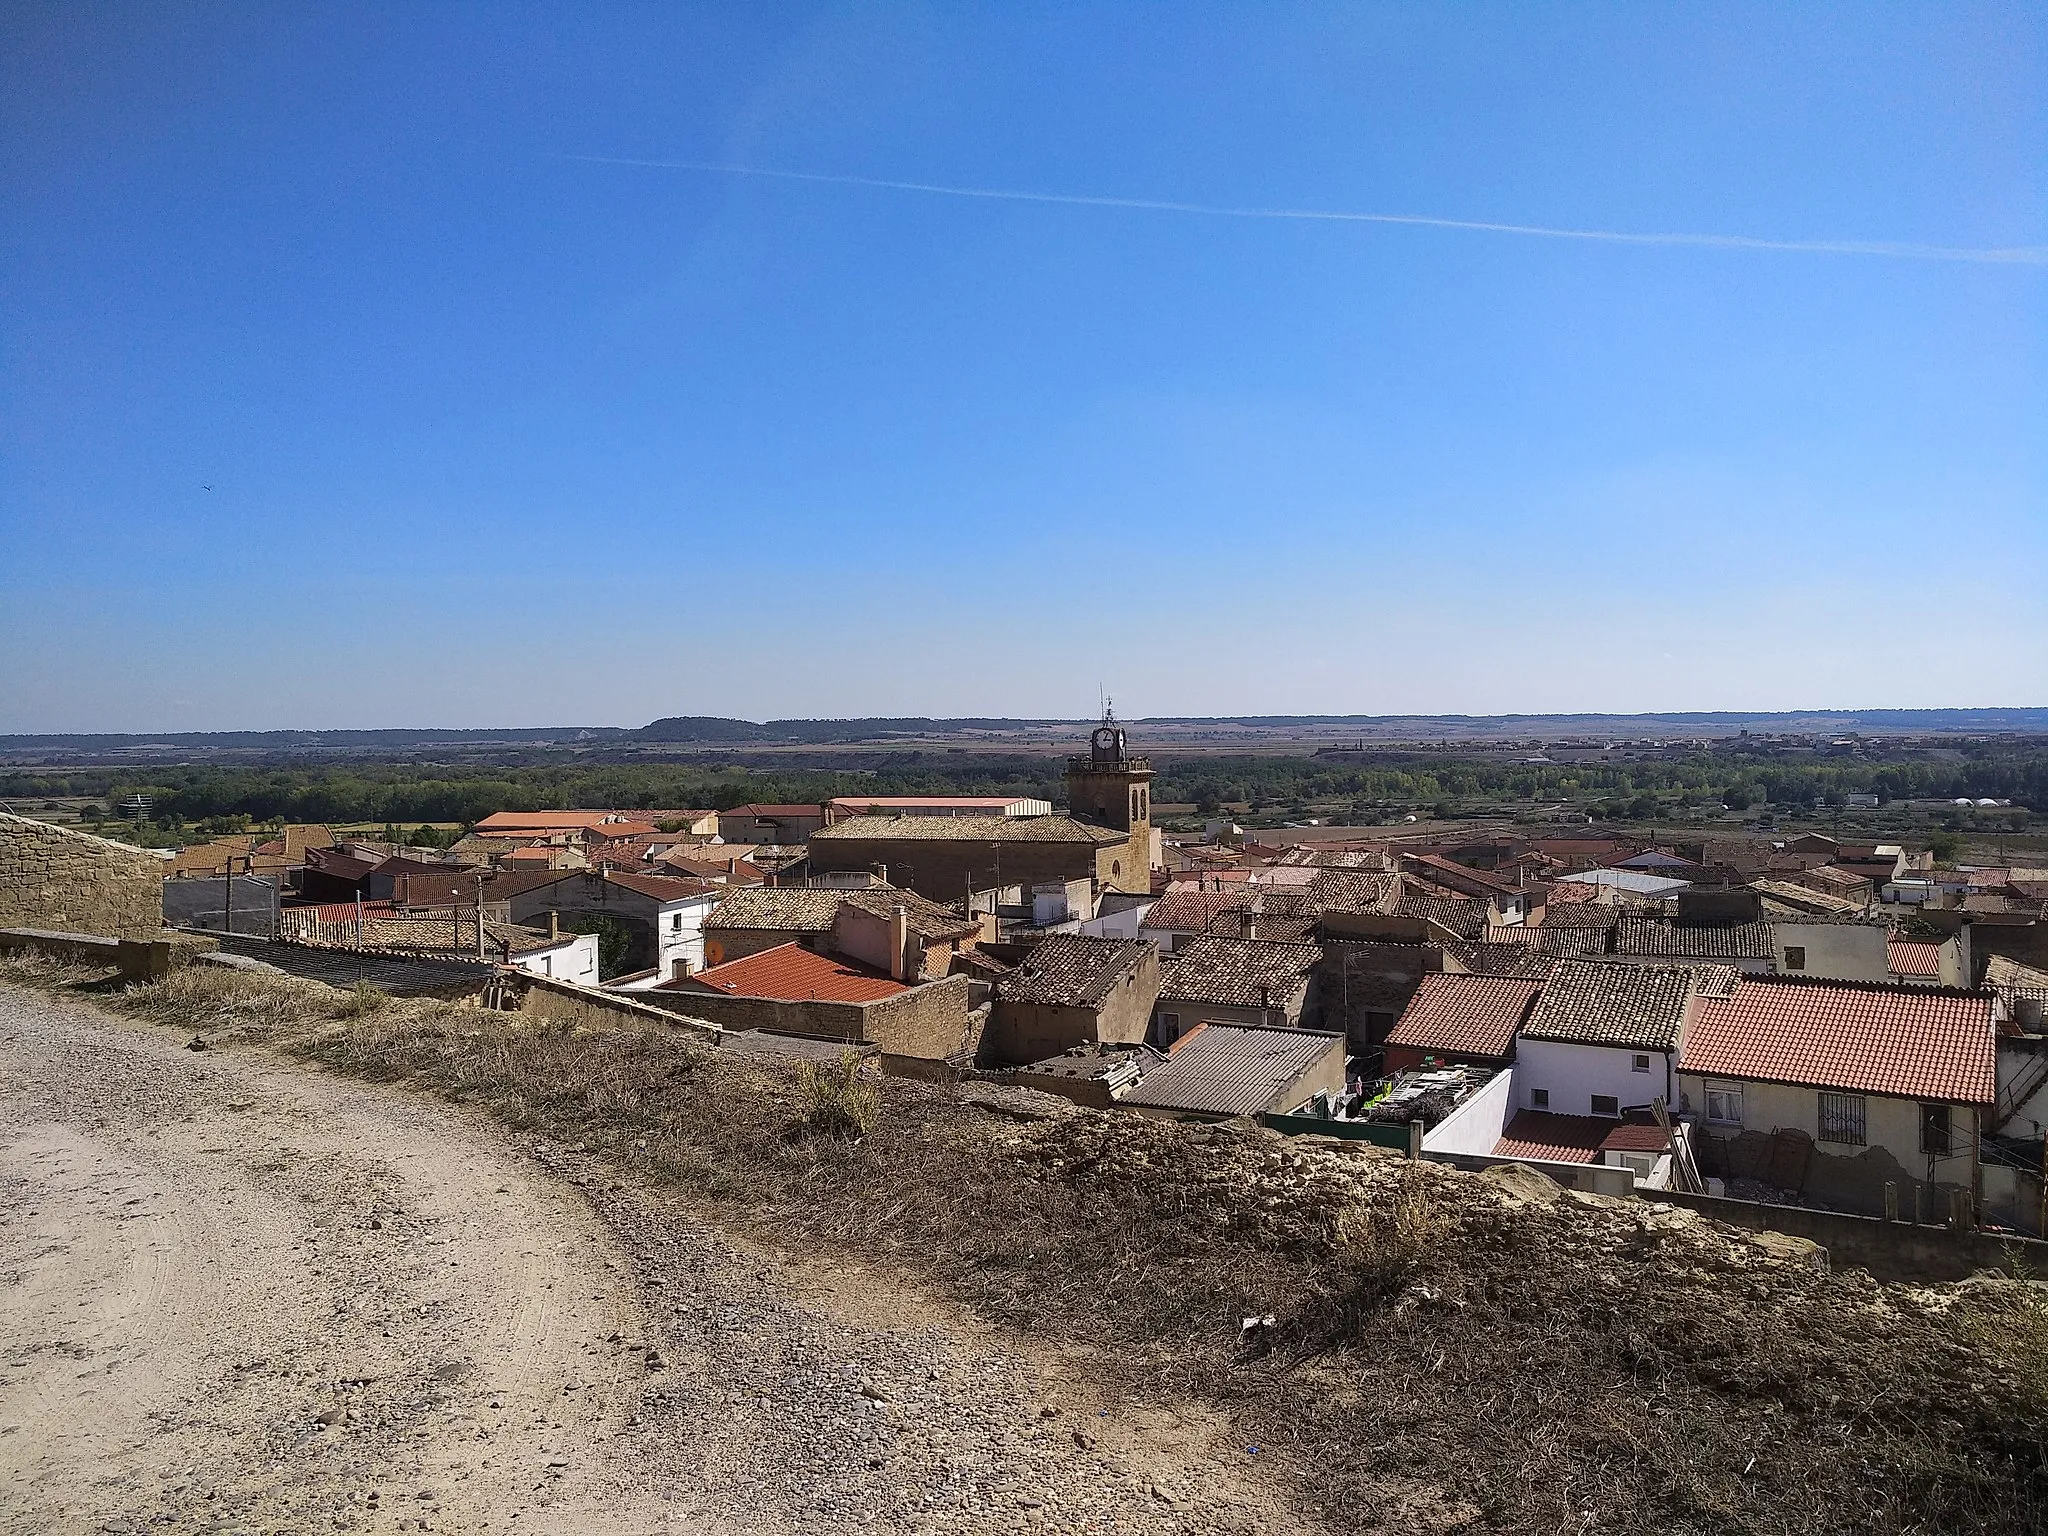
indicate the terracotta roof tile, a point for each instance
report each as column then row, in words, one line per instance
column 1906, row 1042
column 1911, row 957
column 791, row 973
column 1465, row 1015
column 1545, row 1137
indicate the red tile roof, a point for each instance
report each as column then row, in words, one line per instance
column 1906, row 1042
column 540, row 821
column 1466, row 1015
column 1913, row 957
column 791, row 973
column 1545, row 1137
column 613, row 829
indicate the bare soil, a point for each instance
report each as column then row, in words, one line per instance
column 239, row 1293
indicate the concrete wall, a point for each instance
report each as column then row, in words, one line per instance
column 53, row 877
column 1836, row 951
column 1590, row 1178
column 199, row 904
column 1474, row 1127
column 1286, row 1013
column 1852, row 1178
column 1890, row 1250
column 1575, row 1073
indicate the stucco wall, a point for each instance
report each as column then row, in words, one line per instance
column 53, row 877
column 1836, row 951
column 1852, row 1178
column 1575, row 1073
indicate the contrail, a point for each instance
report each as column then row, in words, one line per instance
column 2022, row 255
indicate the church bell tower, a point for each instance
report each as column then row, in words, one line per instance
column 1108, row 787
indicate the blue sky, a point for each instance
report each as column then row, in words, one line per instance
column 341, row 383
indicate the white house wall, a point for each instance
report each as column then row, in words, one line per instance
column 1574, row 1074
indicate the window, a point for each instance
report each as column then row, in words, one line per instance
column 1607, row 1104
column 1934, row 1130
column 675, row 923
column 1539, row 1098
column 1724, row 1104
column 1841, row 1118
column 1639, row 1063
column 1795, row 957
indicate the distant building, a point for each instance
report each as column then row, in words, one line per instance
column 770, row 824
column 936, row 805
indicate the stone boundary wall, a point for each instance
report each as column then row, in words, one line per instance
column 55, row 878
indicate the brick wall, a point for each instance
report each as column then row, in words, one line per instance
column 53, row 877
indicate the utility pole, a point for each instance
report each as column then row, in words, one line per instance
column 227, row 900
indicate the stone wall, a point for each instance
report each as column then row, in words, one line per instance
column 929, row 1021
column 53, row 877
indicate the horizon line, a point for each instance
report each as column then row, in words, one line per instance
column 2024, row 255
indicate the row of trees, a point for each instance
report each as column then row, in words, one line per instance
column 409, row 793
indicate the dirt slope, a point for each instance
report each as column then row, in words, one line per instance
column 246, row 1295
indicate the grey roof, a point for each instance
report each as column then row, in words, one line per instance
column 1238, row 973
column 967, row 829
column 346, row 967
column 1594, row 1002
column 1072, row 970
column 1466, row 916
column 1490, row 959
column 1232, row 1069
column 1643, row 935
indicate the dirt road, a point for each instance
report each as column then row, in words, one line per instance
column 237, row 1294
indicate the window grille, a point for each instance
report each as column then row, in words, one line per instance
column 1841, row 1118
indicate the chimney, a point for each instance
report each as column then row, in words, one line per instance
column 899, row 943
column 554, row 926
column 681, row 968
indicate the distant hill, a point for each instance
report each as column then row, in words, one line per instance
column 715, row 730
column 287, row 741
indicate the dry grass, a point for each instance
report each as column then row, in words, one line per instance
column 841, row 1101
column 1441, row 1354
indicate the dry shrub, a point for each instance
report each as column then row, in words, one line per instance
column 32, row 968
column 837, row 1099
column 230, row 1003
column 363, row 998
column 1576, row 1365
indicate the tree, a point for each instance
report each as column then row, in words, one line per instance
column 614, row 940
column 1738, row 797
column 1945, row 846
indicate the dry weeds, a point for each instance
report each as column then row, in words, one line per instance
column 1446, row 1355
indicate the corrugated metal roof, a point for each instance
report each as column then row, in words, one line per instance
column 1232, row 1069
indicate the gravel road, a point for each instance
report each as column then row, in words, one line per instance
column 239, row 1294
